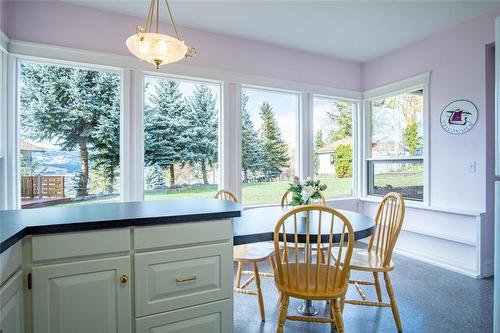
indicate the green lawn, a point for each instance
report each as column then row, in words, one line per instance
column 266, row 193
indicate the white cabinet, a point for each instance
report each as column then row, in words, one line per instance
column 86, row 296
column 216, row 317
column 11, row 305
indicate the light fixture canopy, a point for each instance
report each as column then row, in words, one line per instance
column 154, row 47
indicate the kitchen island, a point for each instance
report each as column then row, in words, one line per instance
column 120, row 267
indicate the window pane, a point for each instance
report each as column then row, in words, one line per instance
column 70, row 135
column 397, row 146
column 333, row 146
column 397, row 125
column 181, row 134
column 402, row 176
column 269, row 127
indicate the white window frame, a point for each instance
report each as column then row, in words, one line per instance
column 132, row 100
column 418, row 82
column 220, row 135
column 300, row 130
column 356, row 153
column 13, row 121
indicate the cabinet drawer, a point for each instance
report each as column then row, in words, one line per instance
column 174, row 235
column 80, row 244
column 214, row 317
column 173, row 279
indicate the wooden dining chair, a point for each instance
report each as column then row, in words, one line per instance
column 377, row 257
column 285, row 200
column 308, row 278
column 253, row 254
column 226, row 195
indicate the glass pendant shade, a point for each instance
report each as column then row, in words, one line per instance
column 156, row 48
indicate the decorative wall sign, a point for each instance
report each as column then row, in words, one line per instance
column 459, row 117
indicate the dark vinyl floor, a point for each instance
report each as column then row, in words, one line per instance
column 430, row 299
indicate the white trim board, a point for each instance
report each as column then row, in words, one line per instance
column 400, row 86
column 37, row 50
column 4, row 41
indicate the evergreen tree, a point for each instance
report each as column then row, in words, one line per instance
column 275, row 148
column 105, row 151
column 252, row 159
column 202, row 130
column 154, row 178
column 318, row 144
column 342, row 118
column 164, row 127
column 63, row 104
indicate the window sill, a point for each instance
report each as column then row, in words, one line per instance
column 336, row 200
column 425, row 206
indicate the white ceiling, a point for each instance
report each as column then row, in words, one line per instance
column 353, row 30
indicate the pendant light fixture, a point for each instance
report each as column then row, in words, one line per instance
column 149, row 45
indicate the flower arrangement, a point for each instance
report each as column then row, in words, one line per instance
column 303, row 192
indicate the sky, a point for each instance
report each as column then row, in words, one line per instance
column 285, row 106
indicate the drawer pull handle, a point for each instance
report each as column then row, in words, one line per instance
column 186, row 280
column 123, row 278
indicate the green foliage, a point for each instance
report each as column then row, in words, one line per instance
column 411, row 138
column 78, row 109
column 201, row 134
column 154, row 178
column 318, row 144
column 304, row 192
column 252, row 155
column 342, row 117
column 275, row 148
column 165, row 142
column 342, row 160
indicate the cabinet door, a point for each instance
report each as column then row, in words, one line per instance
column 85, row 296
column 11, row 305
column 216, row 317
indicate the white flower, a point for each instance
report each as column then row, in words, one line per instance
column 307, row 192
column 296, row 181
column 308, row 179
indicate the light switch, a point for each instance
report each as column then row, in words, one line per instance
column 472, row 167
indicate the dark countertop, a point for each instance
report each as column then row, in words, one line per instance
column 15, row 224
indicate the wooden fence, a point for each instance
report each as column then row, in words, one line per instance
column 42, row 186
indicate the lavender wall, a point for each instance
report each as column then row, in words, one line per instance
column 64, row 24
column 3, row 16
column 456, row 58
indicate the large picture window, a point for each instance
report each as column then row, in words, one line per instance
column 396, row 162
column 69, row 135
column 181, row 136
column 269, row 144
column 333, row 145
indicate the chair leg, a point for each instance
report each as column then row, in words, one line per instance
column 259, row 292
column 377, row 286
column 395, row 311
column 342, row 303
column 338, row 316
column 332, row 314
column 238, row 274
column 282, row 314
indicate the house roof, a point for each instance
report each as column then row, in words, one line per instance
column 26, row 146
column 332, row 146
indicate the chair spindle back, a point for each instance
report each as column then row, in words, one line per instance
column 226, row 195
column 307, row 276
column 388, row 223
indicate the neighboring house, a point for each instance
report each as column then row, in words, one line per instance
column 325, row 165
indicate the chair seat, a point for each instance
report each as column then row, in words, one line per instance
column 297, row 285
column 362, row 260
column 253, row 252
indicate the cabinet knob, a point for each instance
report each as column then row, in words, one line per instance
column 123, row 279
